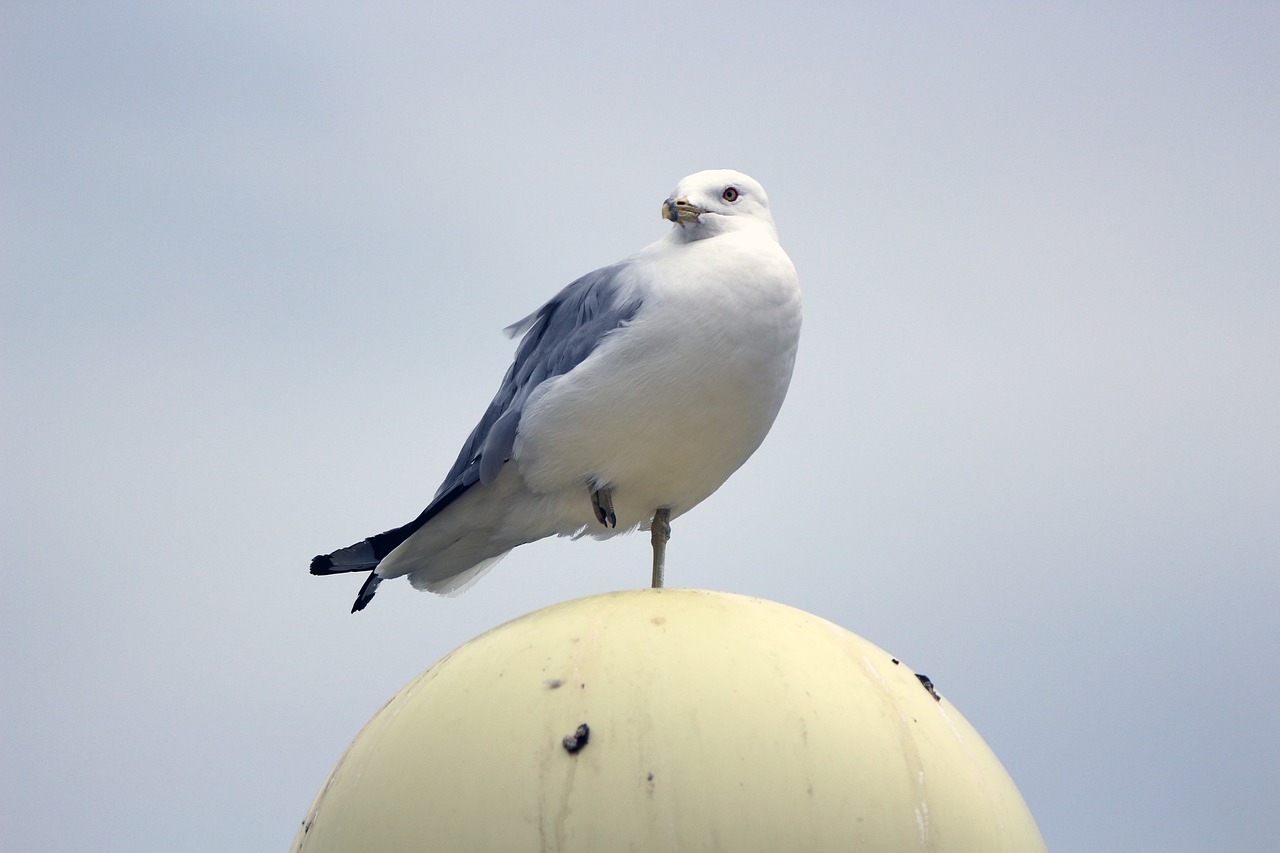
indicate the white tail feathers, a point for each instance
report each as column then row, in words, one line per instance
column 455, row 584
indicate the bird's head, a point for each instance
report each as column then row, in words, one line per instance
column 715, row 202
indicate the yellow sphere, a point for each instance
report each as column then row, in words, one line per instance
column 667, row 720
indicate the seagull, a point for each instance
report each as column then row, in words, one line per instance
column 635, row 393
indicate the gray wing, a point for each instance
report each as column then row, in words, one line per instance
column 557, row 337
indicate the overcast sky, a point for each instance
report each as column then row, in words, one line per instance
column 256, row 258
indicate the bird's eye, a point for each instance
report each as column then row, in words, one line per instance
column 730, row 194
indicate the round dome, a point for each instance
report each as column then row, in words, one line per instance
column 664, row 720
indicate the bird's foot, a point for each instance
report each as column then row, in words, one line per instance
column 602, row 503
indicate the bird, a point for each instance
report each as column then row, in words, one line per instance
column 634, row 394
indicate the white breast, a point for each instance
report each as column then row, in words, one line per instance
column 673, row 403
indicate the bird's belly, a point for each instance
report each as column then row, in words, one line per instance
column 663, row 421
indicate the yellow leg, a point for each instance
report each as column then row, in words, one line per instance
column 660, row 532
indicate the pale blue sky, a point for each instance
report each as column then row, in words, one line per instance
column 256, row 261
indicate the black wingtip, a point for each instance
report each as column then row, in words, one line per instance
column 322, row 565
column 366, row 592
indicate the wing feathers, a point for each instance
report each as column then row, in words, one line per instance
column 557, row 338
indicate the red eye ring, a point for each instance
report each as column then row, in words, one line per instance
column 730, row 194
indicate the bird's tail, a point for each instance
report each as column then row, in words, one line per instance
column 367, row 589
column 359, row 557
column 471, row 528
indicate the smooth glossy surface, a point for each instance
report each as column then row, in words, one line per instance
column 716, row 722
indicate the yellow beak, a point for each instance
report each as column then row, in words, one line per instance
column 680, row 210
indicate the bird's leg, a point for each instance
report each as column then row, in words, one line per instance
column 659, row 533
column 602, row 503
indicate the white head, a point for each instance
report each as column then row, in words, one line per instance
column 717, row 201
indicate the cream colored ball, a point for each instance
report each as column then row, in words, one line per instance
column 668, row 720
